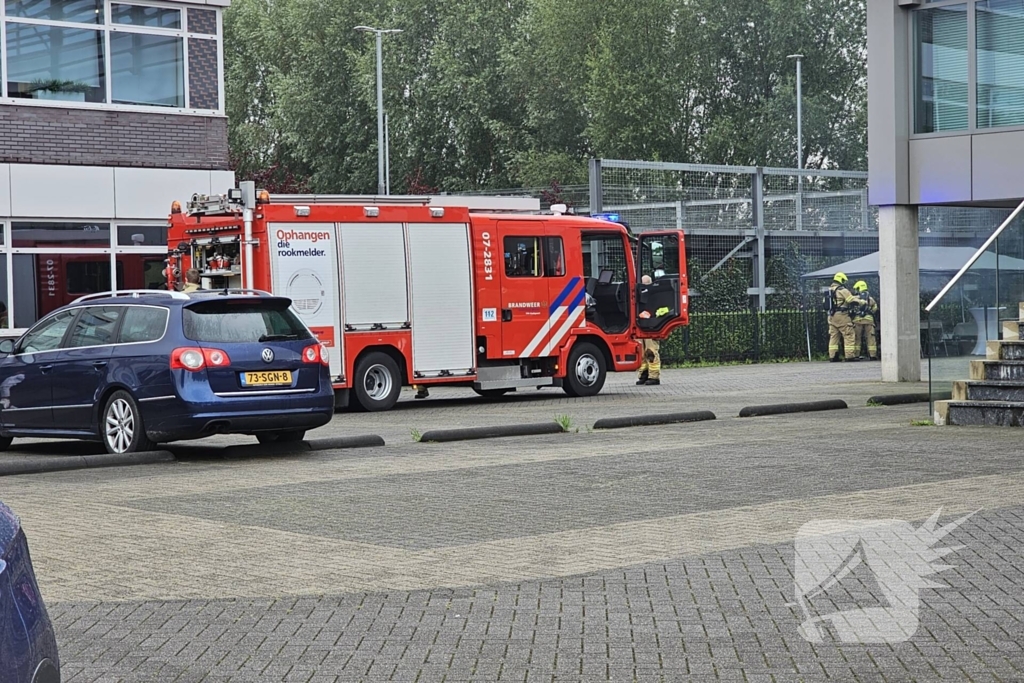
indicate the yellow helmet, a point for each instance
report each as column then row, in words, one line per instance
column 840, row 278
column 860, row 286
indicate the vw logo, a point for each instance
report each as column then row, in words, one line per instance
column 268, row 355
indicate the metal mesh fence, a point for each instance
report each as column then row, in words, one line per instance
column 751, row 234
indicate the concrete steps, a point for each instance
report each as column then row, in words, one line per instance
column 994, row 393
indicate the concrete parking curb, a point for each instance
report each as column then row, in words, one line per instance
column 902, row 399
column 784, row 408
column 492, row 432
column 335, row 442
column 34, row 464
column 645, row 420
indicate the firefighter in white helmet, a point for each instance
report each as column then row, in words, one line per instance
column 650, row 363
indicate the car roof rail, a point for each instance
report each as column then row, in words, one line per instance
column 133, row 293
column 234, row 290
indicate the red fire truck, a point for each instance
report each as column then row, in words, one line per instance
column 407, row 292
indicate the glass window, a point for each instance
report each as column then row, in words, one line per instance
column 96, row 325
column 85, row 11
column 47, row 336
column 1000, row 37
column 940, row 39
column 143, row 324
column 522, row 257
column 55, row 63
column 63, row 234
column 242, row 321
column 147, row 69
column 554, row 258
column 138, row 15
column 142, row 236
column 89, row 277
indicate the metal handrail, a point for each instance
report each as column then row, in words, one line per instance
column 977, row 255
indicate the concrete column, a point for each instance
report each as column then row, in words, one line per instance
column 899, row 293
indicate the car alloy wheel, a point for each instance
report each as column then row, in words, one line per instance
column 119, row 424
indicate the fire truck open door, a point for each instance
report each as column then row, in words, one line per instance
column 662, row 305
column 304, row 268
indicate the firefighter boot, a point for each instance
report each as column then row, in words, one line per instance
column 653, row 382
column 421, row 391
column 641, row 379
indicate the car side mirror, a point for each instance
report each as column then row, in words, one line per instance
column 7, row 346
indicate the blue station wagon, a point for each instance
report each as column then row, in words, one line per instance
column 132, row 369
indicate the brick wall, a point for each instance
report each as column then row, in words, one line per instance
column 50, row 135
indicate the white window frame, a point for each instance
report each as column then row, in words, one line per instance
column 107, row 27
column 112, row 249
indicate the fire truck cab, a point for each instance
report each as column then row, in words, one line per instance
column 401, row 291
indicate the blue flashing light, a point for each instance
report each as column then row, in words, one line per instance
column 611, row 217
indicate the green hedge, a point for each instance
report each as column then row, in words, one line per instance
column 747, row 336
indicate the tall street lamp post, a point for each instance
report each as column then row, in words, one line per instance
column 799, row 141
column 381, row 186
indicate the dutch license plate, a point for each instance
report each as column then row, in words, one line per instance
column 268, row 378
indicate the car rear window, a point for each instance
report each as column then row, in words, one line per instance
column 242, row 321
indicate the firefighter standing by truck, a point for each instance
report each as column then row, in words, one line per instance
column 864, row 320
column 649, row 373
column 841, row 303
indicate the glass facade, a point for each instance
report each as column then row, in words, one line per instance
column 1000, row 40
column 49, row 264
column 951, row 37
column 108, row 53
column 940, row 40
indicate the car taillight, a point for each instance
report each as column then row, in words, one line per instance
column 195, row 359
column 325, row 355
column 311, row 354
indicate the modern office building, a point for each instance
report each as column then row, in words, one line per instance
column 945, row 127
column 109, row 111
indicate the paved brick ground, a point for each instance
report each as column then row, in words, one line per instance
column 656, row 554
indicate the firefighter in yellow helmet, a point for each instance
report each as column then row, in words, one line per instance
column 864, row 319
column 841, row 302
column 650, row 362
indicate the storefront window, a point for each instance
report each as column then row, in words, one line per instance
column 1000, row 40
column 940, row 41
column 153, row 236
column 66, row 234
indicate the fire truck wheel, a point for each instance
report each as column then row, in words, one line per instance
column 586, row 371
column 377, row 382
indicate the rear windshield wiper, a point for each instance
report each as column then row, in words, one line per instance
column 277, row 337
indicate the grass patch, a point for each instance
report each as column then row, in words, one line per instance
column 416, row 435
column 922, row 423
column 565, row 422
column 875, row 404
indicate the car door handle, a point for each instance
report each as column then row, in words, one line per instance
column 45, row 368
column 99, row 364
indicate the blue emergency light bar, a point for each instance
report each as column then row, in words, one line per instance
column 611, row 217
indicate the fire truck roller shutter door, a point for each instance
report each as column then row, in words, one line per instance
column 375, row 275
column 442, row 299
